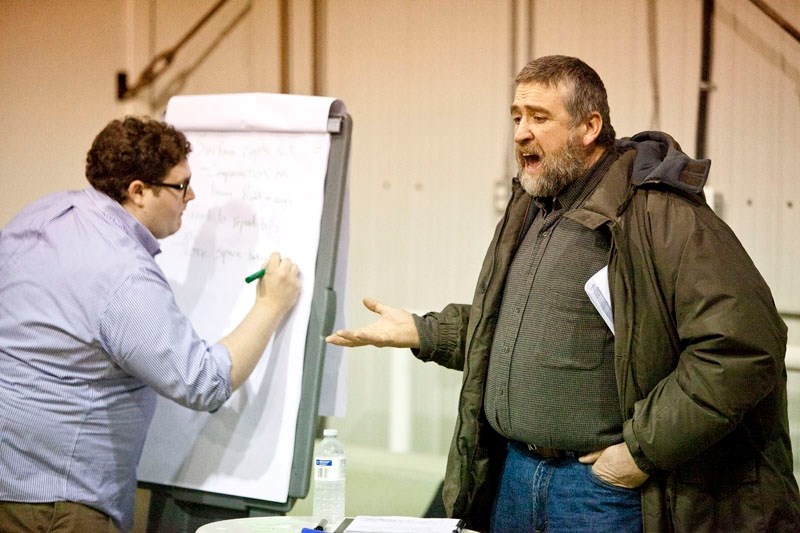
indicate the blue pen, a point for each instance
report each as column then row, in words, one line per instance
column 319, row 527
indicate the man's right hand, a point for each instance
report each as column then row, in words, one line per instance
column 394, row 328
column 280, row 286
column 276, row 293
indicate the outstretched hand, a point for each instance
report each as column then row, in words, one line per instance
column 394, row 328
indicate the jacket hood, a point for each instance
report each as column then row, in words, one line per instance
column 659, row 159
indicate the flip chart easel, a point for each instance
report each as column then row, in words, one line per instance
column 253, row 160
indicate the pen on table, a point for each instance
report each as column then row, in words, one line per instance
column 319, row 527
column 256, row 275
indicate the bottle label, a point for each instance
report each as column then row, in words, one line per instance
column 329, row 469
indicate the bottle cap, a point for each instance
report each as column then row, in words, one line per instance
column 329, row 433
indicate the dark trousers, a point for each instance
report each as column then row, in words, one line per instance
column 54, row 517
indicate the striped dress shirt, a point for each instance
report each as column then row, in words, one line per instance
column 89, row 333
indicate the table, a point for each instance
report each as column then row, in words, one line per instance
column 265, row 524
column 261, row 524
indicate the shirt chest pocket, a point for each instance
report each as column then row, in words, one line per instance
column 577, row 339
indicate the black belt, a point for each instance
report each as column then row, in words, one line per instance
column 543, row 452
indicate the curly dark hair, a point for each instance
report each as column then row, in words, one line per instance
column 585, row 90
column 134, row 148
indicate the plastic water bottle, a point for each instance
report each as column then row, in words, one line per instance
column 329, row 478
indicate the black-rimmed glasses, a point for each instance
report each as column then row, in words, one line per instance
column 177, row 186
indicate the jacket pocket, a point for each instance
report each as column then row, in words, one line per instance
column 729, row 462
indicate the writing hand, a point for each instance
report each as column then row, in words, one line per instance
column 615, row 465
column 280, row 284
column 394, row 328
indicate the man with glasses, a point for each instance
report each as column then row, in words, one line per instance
column 90, row 332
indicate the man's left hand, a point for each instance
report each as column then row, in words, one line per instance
column 616, row 466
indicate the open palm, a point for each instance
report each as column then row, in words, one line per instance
column 394, row 328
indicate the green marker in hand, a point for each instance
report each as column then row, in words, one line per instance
column 256, row 275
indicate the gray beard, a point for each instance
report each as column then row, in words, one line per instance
column 559, row 169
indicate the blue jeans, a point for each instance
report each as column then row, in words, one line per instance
column 559, row 496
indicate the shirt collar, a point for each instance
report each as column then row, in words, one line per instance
column 119, row 216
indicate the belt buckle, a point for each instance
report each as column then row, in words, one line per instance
column 545, row 452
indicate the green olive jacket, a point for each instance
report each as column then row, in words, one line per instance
column 699, row 354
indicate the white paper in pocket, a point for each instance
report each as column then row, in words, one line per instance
column 597, row 289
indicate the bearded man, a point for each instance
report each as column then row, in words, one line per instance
column 662, row 408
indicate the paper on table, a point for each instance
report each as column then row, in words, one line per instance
column 597, row 289
column 403, row 524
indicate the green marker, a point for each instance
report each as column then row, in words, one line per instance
column 256, row 275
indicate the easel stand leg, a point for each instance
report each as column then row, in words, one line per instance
column 183, row 511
